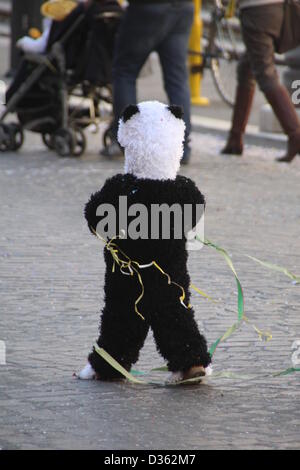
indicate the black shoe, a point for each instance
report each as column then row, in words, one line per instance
column 234, row 144
column 232, row 150
column 292, row 150
column 112, row 150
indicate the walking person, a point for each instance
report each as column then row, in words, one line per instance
column 261, row 24
column 152, row 25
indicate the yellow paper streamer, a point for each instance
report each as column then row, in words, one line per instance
column 134, row 266
column 130, row 267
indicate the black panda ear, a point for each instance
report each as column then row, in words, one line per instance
column 177, row 111
column 130, row 111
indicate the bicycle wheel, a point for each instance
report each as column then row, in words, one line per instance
column 227, row 49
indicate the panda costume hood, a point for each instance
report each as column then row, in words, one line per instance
column 152, row 135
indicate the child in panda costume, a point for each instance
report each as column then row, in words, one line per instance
column 152, row 136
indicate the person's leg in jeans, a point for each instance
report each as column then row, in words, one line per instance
column 140, row 31
column 173, row 57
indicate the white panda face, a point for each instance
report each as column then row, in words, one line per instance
column 152, row 137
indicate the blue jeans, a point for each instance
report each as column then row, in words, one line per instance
column 162, row 27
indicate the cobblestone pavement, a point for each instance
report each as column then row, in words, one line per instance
column 51, row 277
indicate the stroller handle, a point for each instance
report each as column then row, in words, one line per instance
column 69, row 33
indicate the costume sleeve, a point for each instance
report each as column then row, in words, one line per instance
column 190, row 195
column 107, row 195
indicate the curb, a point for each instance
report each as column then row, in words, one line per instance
column 253, row 135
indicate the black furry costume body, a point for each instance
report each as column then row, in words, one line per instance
column 122, row 331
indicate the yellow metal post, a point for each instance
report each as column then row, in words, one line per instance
column 230, row 10
column 196, row 61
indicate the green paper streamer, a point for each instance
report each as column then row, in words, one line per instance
column 241, row 318
column 108, row 358
column 240, row 302
column 218, row 375
column 275, row 267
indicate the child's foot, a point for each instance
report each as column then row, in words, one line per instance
column 192, row 373
column 87, row 373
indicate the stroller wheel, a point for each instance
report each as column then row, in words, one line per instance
column 17, row 136
column 6, row 138
column 107, row 137
column 48, row 140
column 64, row 142
column 80, row 144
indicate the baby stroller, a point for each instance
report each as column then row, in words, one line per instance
column 77, row 63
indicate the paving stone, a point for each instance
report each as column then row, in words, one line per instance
column 51, row 279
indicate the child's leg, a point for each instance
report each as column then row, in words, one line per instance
column 178, row 338
column 122, row 335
